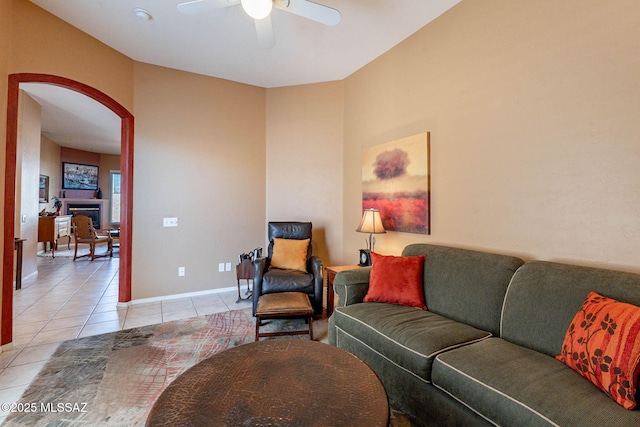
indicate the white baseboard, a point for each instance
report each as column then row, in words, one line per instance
column 175, row 296
column 7, row 347
column 29, row 276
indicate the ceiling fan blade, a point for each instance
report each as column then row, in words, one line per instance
column 199, row 6
column 316, row 12
column 264, row 30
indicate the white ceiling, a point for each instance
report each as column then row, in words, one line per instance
column 74, row 120
column 222, row 43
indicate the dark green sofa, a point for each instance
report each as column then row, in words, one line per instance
column 483, row 354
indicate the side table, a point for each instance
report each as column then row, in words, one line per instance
column 114, row 233
column 330, row 274
column 244, row 271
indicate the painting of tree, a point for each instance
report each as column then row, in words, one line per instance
column 395, row 180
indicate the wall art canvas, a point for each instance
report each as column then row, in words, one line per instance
column 79, row 177
column 396, row 181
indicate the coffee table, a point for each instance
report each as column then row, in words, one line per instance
column 281, row 382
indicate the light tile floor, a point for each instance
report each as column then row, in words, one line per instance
column 68, row 300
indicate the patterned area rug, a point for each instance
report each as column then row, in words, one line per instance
column 63, row 252
column 114, row 379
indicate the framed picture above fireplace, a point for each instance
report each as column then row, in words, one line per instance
column 79, row 177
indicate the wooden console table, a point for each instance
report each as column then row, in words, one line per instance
column 51, row 228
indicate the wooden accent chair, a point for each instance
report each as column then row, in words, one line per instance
column 84, row 233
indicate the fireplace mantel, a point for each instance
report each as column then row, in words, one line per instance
column 104, row 217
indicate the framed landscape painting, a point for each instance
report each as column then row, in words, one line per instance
column 396, row 181
column 79, row 177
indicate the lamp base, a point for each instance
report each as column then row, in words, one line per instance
column 365, row 258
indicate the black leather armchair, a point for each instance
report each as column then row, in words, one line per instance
column 267, row 280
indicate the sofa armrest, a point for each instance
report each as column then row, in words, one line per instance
column 351, row 285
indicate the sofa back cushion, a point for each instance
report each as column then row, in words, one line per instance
column 465, row 285
column 544, row 297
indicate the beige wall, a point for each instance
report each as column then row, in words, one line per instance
column 34, row 41
column 199, row 157
column 532, row 108
column 533, row 112
column 42, row 43
column 304, row 162
column 27, row 180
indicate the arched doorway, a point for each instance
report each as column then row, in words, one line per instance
column 126, row 167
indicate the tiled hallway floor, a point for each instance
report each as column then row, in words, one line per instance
column 68, row 300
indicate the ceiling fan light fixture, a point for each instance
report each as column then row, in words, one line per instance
column 257, row 9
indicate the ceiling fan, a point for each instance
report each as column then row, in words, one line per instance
column 260, row 11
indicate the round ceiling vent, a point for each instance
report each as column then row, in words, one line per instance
column 141, row 13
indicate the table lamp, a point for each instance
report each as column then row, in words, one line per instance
column 371, row 223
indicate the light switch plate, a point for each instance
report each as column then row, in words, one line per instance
column 170, row 222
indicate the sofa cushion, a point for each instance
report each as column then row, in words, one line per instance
column 603, row 345
column 465, row 285
column 543, row 298
column 396, row 280
column 512, row 385
column 407, row 336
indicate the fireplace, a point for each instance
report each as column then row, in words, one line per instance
column 92, row 210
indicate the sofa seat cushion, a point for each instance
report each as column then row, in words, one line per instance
column 512, row 385
column 407, row 336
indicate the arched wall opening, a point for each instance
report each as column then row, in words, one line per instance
column 126, row 168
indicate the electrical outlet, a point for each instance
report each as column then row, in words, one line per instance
column 221, row 267
column 227, row 267
column 181, row 271
column 170, row 222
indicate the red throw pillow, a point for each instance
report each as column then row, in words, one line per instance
column 603, row 345
column 396, row 280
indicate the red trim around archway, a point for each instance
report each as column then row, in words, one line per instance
column 126, row 168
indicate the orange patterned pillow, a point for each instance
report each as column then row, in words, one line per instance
column 603, row 345
column 396, row 280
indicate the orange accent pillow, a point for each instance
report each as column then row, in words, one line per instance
column 396, row 280
column 603, row 345
column 290, row 254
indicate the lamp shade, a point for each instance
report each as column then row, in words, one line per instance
column 371, row 222
column 257, row 9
